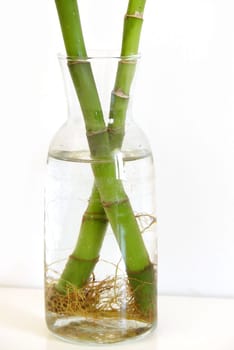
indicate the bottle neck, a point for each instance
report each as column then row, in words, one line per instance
column 111, row 78
column 114, row 116
column 97, row 105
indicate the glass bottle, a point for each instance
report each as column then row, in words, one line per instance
column 100, row 223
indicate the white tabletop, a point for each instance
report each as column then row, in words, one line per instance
column 184, row 324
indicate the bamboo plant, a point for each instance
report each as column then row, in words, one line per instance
column 108, row 202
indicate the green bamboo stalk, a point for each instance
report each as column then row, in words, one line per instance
column 126, row 69
column 70, row 24
column 142, row 280
column 82, row 261
column 132, row 27
column 113, row 198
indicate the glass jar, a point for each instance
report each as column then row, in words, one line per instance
column 100, row 223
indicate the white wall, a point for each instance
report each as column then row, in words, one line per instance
column 188, row 74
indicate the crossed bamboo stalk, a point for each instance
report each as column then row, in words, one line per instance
column 108, row 201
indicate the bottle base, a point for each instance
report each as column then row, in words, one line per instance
column 90, row 330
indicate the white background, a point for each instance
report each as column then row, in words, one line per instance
column 187, row 73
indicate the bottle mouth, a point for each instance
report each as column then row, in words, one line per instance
column 98, row 55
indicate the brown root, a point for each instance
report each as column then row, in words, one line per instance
column 145, row 221
column 109, row 298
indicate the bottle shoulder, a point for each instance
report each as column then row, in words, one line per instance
column 71, row 137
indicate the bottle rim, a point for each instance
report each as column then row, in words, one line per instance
column 97, row 56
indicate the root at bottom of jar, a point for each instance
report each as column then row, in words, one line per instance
column 109, row 298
